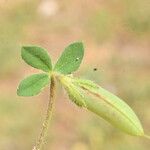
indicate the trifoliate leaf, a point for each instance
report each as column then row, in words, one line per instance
column 37, row 57
column 103, row 103
column 70, row 59
column 33, row 84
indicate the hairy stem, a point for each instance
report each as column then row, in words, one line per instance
column 44, row 130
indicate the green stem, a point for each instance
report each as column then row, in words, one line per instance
column 43, row 133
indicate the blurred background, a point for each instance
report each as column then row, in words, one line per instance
column 116, row 35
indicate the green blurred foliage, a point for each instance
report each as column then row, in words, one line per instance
column 100, row 25
column 138, row 16
column 12, row 23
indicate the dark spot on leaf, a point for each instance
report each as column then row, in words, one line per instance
column 77, row 59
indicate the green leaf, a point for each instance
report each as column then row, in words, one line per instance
column 33, row 84
column 104, row 104
column 70, row 59
column 37, row 57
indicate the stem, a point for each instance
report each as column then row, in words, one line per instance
column 44, row 130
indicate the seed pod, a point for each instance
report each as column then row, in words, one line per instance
column 87, row 94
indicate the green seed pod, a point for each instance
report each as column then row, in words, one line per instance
column 87, row 94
